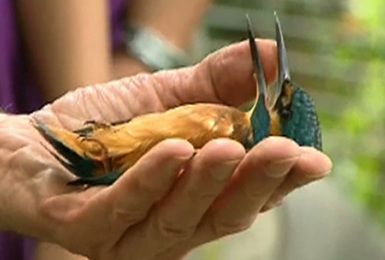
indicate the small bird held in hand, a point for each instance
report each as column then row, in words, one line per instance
column 99, row 153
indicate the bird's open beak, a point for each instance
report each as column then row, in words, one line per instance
column 259, row 73
column 284, row 84
column 259, row 113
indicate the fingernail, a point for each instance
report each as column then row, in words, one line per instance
column 177, row 163
column 318, row 175
column 225, row 170
column 280, row 168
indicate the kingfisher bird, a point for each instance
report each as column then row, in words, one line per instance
column 99, row 152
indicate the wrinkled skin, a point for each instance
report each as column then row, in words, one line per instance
column 149, row 213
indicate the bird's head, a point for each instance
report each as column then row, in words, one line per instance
column 292, row 113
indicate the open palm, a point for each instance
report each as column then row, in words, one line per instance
column 169, row 202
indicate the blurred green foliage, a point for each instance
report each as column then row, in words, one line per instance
column 361, row 164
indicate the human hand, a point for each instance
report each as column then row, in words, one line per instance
column 152, row 211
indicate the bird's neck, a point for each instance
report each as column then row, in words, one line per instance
column 260, row 120
column 275, row 124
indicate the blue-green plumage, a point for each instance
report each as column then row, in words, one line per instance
column 107, row 179
column 260, row 117
column 260, row 121
column 299, row 121
column 295, row 107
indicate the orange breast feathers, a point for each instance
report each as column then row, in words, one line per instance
column 124, row 144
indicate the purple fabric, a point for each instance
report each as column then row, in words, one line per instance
column 19, row 94
column 118, row 12
column 15, row 247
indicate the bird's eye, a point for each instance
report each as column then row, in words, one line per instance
column 286, row 114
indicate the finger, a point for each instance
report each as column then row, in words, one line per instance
column 219, row 77
column 176, row 217
column 109, row 211
column 199, row 186
column 311, row 166
column 147, row 181
column 261, row 171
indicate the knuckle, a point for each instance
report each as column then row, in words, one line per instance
column 150, row 189
column 128, row 217
column 254, row 193
column 201, row 194
column 224, row 228
column 140, row 79
column 174, row 231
